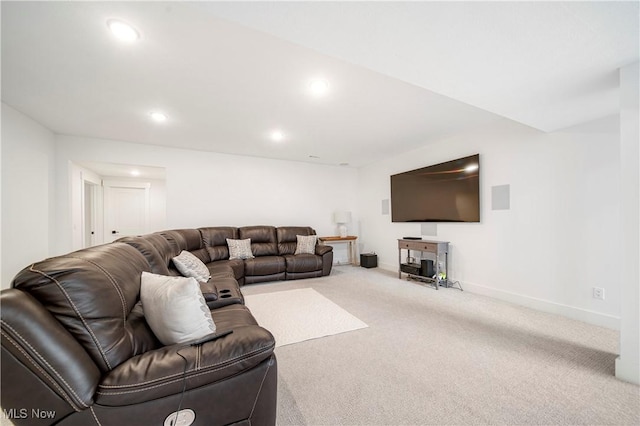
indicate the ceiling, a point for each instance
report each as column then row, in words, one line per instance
column 227, row 74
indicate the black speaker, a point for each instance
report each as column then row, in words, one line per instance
column 369, row 260
column 427, row 269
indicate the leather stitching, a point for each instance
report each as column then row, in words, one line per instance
column 75, row 308
column 95, row 416
column 255, row 402
column 113, row 282
column 223, row 364
column 179, row 379
column 28, row 357
column 41, row 358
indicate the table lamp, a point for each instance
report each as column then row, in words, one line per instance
column 342, row 218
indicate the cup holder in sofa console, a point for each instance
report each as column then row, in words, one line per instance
column 226, row 290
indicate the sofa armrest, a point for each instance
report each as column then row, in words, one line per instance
column 326, row 252
column 322, row 249
column 40, row 348
column 209, row 291
column 161, row 372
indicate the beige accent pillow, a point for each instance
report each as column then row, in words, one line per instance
column 174, row 308
column 306, row 244
column 190, row 266
column 240, row 249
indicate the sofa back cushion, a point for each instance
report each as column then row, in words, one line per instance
column 215, row 241
column 264, row 241
column 187, row 239
column 155, row 248
column 287, row 238
column 92, row 293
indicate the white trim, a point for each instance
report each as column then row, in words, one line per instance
column 585, row 315
column 590, row 317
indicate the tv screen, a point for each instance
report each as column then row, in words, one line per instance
column 446, row 192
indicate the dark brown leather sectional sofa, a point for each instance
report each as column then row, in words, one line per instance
column 76, row 351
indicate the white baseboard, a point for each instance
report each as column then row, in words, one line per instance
column 585, row 315
column 590, row 317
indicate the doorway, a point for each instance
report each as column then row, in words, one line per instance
column 126, row 209
column 110, row 201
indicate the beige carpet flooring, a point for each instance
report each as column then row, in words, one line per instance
column 446, row 358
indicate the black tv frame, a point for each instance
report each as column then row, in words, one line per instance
column 443, row 192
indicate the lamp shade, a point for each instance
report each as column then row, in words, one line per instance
column 341, row 217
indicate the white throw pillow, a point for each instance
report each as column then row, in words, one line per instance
column 190, row 266
column 306, row 244
column 240, row 249
column 174, row 308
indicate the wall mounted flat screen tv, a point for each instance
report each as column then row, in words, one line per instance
column 446, row 192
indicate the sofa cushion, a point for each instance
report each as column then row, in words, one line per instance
column 92, row 293
column 154, row 248
column 264, row 241
column 191, row 266
column 287, row 237
column 239, row 249
column 175, row 308
column 306, row 244
column 159, row 373
column 303, row 262
column 187, row 239
column 264, row 265
column 215, row 241
column 234, row 268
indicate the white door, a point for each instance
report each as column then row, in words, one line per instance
column 126, row 209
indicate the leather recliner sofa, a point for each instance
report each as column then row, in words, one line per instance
column 76, row 349
column 272, row 247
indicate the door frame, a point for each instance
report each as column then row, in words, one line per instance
column 94, row 206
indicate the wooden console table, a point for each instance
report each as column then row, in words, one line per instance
column 349, row 239
column 435, row 248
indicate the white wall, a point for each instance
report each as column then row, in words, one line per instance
column 628, row 364
column 27, row 192
column 210, row 189
column 559, row 238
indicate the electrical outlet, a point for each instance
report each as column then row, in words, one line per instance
column 598, row 293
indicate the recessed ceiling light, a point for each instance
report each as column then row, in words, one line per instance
column 123, row 31
column 135, row 172
column 277, row 135
column 158, row 116
column 319, row 86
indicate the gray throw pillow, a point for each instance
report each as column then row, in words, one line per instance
column 240, row 249
column 306, row 244
column 174, row 308
column 190, row 266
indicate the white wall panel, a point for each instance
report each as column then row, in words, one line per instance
column 210, row 189
column 558, row 239
column 27, row 192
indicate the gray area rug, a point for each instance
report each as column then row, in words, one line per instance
column 293, row 316
column 446, row 357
